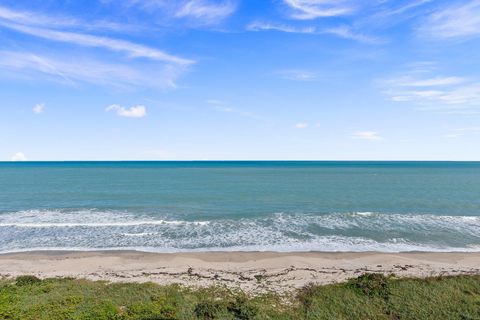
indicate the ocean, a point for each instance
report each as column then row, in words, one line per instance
column 240, row 205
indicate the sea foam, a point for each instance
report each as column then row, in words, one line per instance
column 348, row 231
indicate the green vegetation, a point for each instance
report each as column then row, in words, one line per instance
column 371, row 296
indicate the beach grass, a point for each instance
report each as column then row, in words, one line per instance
column 371, row 296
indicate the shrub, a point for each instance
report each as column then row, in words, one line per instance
column 152, row 311
column 26, row 280
column 372, row 284
column 306, row 295
column 207, row 310
column 242, row 309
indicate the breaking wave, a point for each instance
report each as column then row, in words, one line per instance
column 347, row 231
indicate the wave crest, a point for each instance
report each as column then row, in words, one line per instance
column 351, row 231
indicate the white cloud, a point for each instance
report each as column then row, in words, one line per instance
column 312, row 9
column 390, row 13
column 37, row 19
column 343, row 31
column 456, row 21
column 206, row 12
column 367, row 135
column 459, row 132
column 29, row 18
column 194, row 12
column 138, row 111
column 404, row 8
column 39, row 108
column 469, row 130
column 461, row 96
column 63, row 69
column 297, row 75
column 223, row 107
column 441, row 93
column 301, row 125
column 133, row 50
column 347, row 32
column 19, row 156
column 452, row 135
column 262, row 26
column 408, row 81
column 365, row 17
column 161, row 71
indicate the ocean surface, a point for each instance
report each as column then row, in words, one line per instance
column 280, row 206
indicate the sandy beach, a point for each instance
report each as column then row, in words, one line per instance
column 254, row 272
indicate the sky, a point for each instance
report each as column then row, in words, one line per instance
column 239, row 80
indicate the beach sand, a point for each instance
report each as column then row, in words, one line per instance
column 253, row 272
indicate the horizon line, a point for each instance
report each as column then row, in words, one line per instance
column 249, row 160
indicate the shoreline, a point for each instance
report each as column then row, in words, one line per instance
column 253, row 272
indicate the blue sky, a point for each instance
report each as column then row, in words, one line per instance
column 239, row 79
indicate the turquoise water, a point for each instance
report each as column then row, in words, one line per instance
column 282, row 206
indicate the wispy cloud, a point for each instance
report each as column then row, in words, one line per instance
column 132, row 112
column 347, row 32
column 409, row 81
column 449, row 98
column 47, row 21
column 133, row 50
column 386, row 14
column 24, row 17
column 367, row 135
column 454, row 21
column 206, row 12
column 312, row 9
column 404, row 8
column 62, row 69
column 27, row 63
column 435, row 92
column 39, row 108
column 152, row 67
column 223, row 107
column 341, row 31
column 264, row 26
column 364, row 17
column 196, row 12
column 297, row 75
column 459, row 132
column 301, row 125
